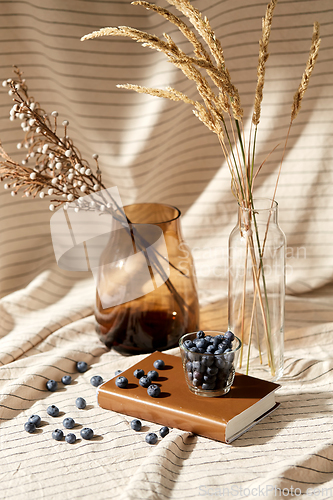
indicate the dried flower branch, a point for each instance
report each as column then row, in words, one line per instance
column 58, row 169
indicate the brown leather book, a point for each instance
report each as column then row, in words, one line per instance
column 222, row 418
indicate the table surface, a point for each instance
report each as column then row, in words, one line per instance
column 290, row 450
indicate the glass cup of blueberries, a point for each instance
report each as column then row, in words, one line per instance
column 209, row 360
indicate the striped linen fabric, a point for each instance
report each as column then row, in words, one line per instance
column 154, row 150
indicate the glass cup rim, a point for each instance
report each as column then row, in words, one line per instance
column 272, row 208
column 208, row 332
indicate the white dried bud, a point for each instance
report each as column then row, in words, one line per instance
column 31, row 122
column 58, row 165
column 60, row 177
column 65, row 189
column 83, row 188
column 41, row 194
column 12, row 118
column 76, row 209
column 22, row 116
column 4, row 83
column 54, row 113
column 50, row 191
column 96, row 187
column 78, row 166
column 70, row 197
column 102, row 208
column 10, row 92
column 27, row 193
column 64, row 195
column 93, row 204
column 79, row 183
column 82, row 170
column 6, row 186
column 95, row 156
column 54, row 181
column 88, row 171
column 13, row 193
column 65, row 123
column 45, row 148
column 33, row 175
column 68, row 153
column 32, row 106
column 24, row 162
column 38, row 130
column 19, row 145
column 70, row 177
column 32, row 154
column 52, row 207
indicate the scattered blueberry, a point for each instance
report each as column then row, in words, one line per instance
column 80, row 403
column 81, row 366
column 229, row 335
column 57, row 434
column 96, row 380
column 152, row 374
column 164, row 431
column 118, row 372
column 68, row 423
column 154, row 391
column 151, row 438
column 136, row 425
column 66, row 379
column 188, row 343
column 29, row 427
column 35, row 419
column 70, row 438
column 145, row 381
column 51, row 385
column 121, row 382
column 159, row 364
column 53, row 411
column 138, row 373
column 86, row 433
column 200, row 334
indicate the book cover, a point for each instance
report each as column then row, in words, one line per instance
column 222, row 418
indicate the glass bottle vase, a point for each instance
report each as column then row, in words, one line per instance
column 256, row 289
column 155, row 288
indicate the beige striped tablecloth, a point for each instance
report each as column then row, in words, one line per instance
column 157, row 151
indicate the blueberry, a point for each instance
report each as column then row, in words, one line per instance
column 188, row 366
column 154, row 391
column 211, row 370
column 86, row 433
column 188, row 344
column 96, row 380
column 200, row 334
column 80, row 403
column 53, row 411
column 121, row 382
column 208, row 387
column 198, row 367
column 51, row 385
column 197, row 375
column 136, row 425
column 193, row 349
column 68, row 423
column 70, row 438
column 152, row 374
column 138, row 373
column 164, row 431
column 57, row 434
column 81, row 366
column 118, row 372
column 229, row 335
column 29, row 427
column 35, row 419
column 210, row 349
column 209, row 379
column 151, row 438
column 196, row 382
column 201, row 344
column 145, row 381
column 159, row 364
column 66, row 379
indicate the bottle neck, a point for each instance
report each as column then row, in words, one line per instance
column 265, row 211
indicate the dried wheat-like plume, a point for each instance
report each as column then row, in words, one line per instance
column 307, row 72
column 263, row 56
